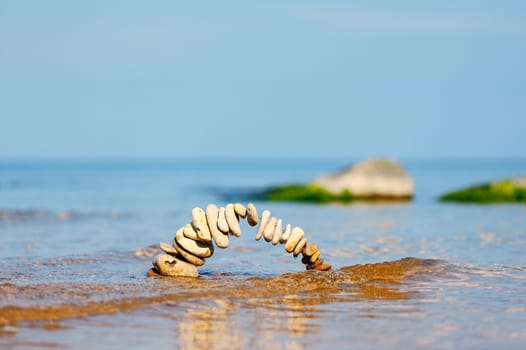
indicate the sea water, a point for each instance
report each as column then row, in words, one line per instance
column 76, row 239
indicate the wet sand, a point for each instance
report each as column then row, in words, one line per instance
column 351, row 305
column 59, row 301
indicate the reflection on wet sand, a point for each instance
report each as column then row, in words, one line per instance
column 213, row 323
column 204, row 307
column 289, row 310
column 207, row 325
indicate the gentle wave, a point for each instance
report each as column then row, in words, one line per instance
column 56, row 301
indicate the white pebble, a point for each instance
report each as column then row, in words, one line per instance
column 167, row 248
column 197, row 248
column 277, row 232
column 200, row 225
column 299, row 247
column 190, row 232
column 231, row 220
column 168, row 265
column 240, row 210
column 252, row 215
column 265, row 216
column 212, row 214
column 286, row 234
column 222, row 225
column 295, row 237
column 268, row 232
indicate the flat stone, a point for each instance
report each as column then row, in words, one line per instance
column 220, row 238
column 190, row 232
column 200, row 225
column 268, row 232
column 295, row 237
column 318, row 261
column 192, row 259
column 167, row 248
column 314, row 257
column 286, row 234
column 265, row 216
column 299, row 247
column 222, row 225
column 240, row 210
column 197, row 248
column 167, row 265
column 310, row 249
column 277, row 232
column 231, row 220
column 252, row 215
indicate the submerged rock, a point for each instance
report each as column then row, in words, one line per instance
column 374, row 178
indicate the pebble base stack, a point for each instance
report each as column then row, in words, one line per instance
column 194, row 242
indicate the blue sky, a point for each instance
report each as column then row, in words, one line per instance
column 139, row 79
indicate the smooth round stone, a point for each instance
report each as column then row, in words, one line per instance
column 252, row 215
column 190, row 232
column 240, row 210
column 197, row 248
column 310, row 249
column 200, row 225
column 168, row 265
column 295, row 237
column 231, row 220
column 299, row 247
column 268, row 232
column 212, row 213
column 167, row 248
column 222, row 225
column 286, row 234
column 192, row 259
column 265, row 216
column 277, row 232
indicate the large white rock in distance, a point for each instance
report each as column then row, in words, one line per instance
column 370, row 178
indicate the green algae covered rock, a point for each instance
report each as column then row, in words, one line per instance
column 513, row 191
column 304, row 193
column 369, row 180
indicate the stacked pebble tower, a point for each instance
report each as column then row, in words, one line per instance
column 193, row 242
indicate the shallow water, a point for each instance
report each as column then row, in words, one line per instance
column 75, row 245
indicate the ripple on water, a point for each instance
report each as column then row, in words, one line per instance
column 66, row 298
column 36, row 215
column 380, row 303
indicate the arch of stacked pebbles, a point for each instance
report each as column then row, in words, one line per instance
column 194, row 242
